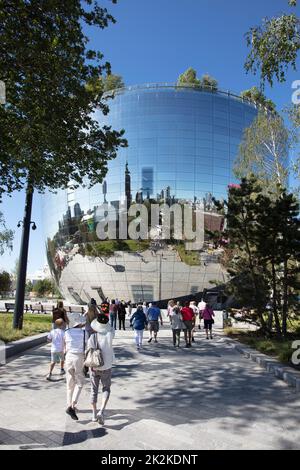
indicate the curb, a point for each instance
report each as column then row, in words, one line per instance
column 21, row 345
column 273, row 366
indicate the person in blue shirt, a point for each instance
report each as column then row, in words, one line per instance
column 153, row 317
column 139, row 322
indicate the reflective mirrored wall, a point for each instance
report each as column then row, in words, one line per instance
column 182, row 144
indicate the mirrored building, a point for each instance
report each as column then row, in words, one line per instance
column 182, row 143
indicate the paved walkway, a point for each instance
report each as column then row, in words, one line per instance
column 207, row 397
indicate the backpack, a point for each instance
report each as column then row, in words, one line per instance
column 93, row 356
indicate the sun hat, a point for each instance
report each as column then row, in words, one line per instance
column 100, row 324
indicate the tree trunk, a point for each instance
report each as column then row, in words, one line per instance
column 275, row 294
column 285, row 299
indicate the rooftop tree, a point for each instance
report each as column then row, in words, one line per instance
column 49, row 136
column 189, row 77
column 112, row 82
column 209, row 82
column 257, row 96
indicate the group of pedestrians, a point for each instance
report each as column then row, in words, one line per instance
column 116, row 310
column 145, row 317
column 71, row 343
column 187, row 318
column 91, row 336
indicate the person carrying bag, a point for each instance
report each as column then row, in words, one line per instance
column 99, row 358
column 93, row 356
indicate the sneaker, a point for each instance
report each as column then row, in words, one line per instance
column 100, row 418
column 155, row 341
column 207, row 337
column 193, row 340
column 71, row 412
column 49, row 377
column 140, row 346
column 94, row 418
column 62, row 371
column 149, row 340
column 211, row 337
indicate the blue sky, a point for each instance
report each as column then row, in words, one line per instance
column 155, row 41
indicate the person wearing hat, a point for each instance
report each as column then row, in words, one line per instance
column 74, row 340
column 102, row 339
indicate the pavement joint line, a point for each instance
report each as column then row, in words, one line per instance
column 271, row 365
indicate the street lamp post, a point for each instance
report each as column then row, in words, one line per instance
column 22, row 267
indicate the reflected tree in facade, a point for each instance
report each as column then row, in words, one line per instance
column 182, row 144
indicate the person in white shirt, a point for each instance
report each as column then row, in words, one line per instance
column 145, row 308
column 102, row 339
column 196, row 312
column 75, row 347
column 56, row 338
column 201, row 308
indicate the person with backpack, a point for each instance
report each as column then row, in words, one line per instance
column 60, row 313
column 101, row 341
column 139, row 322
column 208, row 317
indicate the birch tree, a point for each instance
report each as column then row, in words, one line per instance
column 264, row 152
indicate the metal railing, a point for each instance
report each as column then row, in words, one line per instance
column 191, row 86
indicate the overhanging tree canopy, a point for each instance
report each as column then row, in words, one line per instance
column 49, row 135
column 274, row 46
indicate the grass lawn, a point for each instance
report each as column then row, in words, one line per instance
column 109, row 247
column 191, row 258
column 32, row 324
column 280, row 349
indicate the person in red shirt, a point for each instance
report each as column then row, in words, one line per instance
column 188, row 317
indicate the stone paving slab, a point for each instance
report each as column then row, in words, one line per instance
column 206, row 397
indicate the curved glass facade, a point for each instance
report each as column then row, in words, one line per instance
column 182, row 143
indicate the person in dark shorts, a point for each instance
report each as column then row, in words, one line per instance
column 208, row 317
column 188, row 317
column 153, row 317
column 102, row 339
column 176, row 324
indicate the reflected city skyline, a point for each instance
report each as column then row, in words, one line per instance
column 182, row 144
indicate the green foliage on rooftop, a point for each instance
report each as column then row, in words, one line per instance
column 189, row 78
